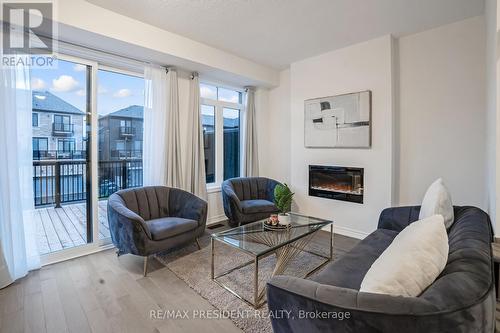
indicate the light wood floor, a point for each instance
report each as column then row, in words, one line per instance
column 103, row 293
column 63, row 228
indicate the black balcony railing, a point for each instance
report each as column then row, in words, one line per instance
column 57, row 182
column 127, row 131
column 63, row 128
column 126, row 154
column 39, row 155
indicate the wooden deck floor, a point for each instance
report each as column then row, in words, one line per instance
column 62, row 228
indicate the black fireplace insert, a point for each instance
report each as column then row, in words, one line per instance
column 336, row 182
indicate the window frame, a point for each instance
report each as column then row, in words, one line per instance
column 240, row 129
column 219, row 129
column 37, row 119
column 39, row 138
column 64, row 141
column 63, row 116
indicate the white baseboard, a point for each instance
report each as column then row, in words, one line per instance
column 216, row 219
column 344, row 231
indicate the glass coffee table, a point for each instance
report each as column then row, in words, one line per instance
column 257, row 241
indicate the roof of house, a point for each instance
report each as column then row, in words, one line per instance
column 132, row 111
column 137, row 111
column 228, row 122
column 48, row 102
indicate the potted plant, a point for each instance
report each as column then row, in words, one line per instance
column 283, row 201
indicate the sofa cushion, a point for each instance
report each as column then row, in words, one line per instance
column 167, row 227
column 421, row 247
column 348, row 271
column 257, row 206
column 467, row 276
column 437, row 200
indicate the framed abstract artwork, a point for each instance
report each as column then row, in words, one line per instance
column 342, row 121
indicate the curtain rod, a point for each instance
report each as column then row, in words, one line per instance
column 143, row 62
column 104, row 52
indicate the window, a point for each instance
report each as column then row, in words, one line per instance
column 208, row 91
column 66, row 145
column 120, row 105
column 120, row 145
column 34, row 119
column 125, row 123
column 208, row 123
column 59, row 119
column 62, row 123
column 220, row 112
column 40, row 148
column 40, row 144
column 220, row 94
column 231, row 143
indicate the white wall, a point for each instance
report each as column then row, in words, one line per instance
column 365, row 66
column 491, row 106
column 274, row 132
column 429, row 121
column 442, row 112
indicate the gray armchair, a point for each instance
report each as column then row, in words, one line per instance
column 248, row 199
column 147, row 220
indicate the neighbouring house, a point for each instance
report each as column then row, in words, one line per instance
column 120, row 134
column 57, row 128
column 231, row 147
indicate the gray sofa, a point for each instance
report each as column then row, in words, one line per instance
column 248, row 199
column 462, row 299
column 148, row 220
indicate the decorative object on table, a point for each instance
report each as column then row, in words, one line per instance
column 273, row 223
column 273, row 219
column 283, row 200
column 342, row 121
column 276, row 227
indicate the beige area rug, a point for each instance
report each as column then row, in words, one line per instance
column 193, row 266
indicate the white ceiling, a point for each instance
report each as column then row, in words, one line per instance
column 278, row 32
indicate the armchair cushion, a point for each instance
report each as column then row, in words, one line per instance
column 257, row 206
column 166, row 227
column 148, row 220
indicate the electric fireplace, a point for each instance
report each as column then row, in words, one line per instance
column 336, row 182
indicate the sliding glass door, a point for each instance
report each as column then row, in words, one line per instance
column 87, row 125
column 120, row 108
column 61, row 137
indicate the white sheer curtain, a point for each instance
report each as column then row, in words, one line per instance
column 161, row 152
column 195, row 175
column 155, row 123
column 18, row 252
column 251, row 155
column 174, row 168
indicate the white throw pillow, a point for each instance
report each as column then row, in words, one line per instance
column 412, row 262
column 437, row 200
